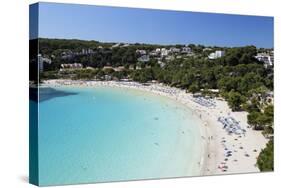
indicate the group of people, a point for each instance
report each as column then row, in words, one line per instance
column 231, row 125
column 207, row 102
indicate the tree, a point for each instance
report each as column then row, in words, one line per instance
column 193, row 88
column 235, row 100
column 268, row 120
column 143, row 75
column 262, row 120
column 228, row 83
column 265, row 160
column 254, row 120
column 252, row 106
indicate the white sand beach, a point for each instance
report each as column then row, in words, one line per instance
column 224, row 153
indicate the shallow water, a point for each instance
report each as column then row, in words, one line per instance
column 111, row 134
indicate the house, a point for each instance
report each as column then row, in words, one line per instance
column 41, row 61
column 154, row 53
column 125, row 45
column 266, row 58
column 84, row 51
column 144, row 58
column 87, row 51
column 164, row 52
column 216, row 54
column 141, row 52
column 90, row 68
column 67, row 55
column 71, row 66
column 138, row 67
column 186, row 50
column 115, row 45
column 131, row 67
column 207, row 49
column 107, row 68
column 175, row 50
column 158, row 50
column 119, row 69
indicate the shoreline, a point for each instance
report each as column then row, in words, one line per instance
column 215, row 139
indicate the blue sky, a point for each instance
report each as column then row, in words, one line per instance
column 112, row 24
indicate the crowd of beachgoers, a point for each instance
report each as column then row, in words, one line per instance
column 231, row 145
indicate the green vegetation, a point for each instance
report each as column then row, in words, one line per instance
column 235, row 99
column 262, row 120
column 242, row 80
column 142, row 76
column 266, row 158
column 193, row 88
column 237, row 75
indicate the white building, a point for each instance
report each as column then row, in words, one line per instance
column 67, row 54
column 154, row 53
column 207, row 49
column 186, row 50
column 86, row 51
column 41, row 61
column 141, row 52
column 131, row 67
column 216, row 54
column 71, row 66
column 175, row 50
column 164, row 52
column 144, row 58
column 158, row 50
column 115, row 45
column 138, row 67
column 267, row 59
column 125, row 45
column 119, row 69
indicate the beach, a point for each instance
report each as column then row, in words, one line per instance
column 224, row 153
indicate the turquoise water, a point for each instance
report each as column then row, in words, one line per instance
column 111, row 134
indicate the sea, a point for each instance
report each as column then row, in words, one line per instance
column 105, row 134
